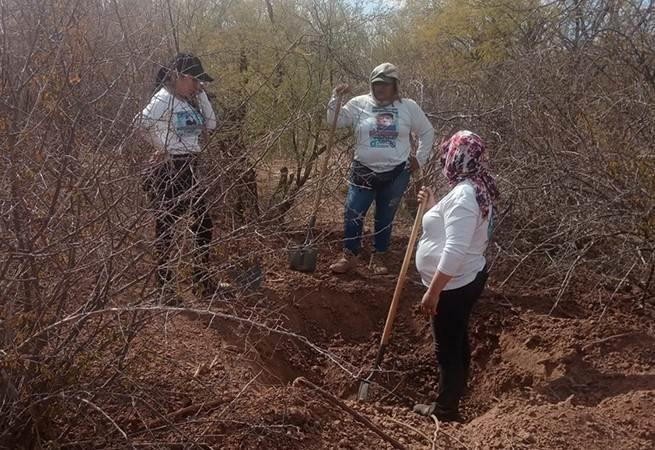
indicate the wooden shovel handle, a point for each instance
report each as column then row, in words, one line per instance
column 391, row 316
column 326, row 158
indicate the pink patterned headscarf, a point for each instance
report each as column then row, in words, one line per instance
column 462, row 159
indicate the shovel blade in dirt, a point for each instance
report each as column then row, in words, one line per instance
column 303, row 258
column 362, row 393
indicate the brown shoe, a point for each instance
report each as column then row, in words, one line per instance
column 345, row 264
column 378, row 263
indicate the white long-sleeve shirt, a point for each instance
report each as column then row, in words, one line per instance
column 382, row 132
column 173, row 125
column 454, row 239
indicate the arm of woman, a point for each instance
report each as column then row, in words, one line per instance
column 431, row 296
column 460, row 222
column 346, row 114
column 424, row 131
column 207, row 110
column 147, row 120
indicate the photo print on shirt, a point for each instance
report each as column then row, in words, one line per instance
column 188, row 123
column 385, row 132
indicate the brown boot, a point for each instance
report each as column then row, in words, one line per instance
column 346, row 263
column 378, row 264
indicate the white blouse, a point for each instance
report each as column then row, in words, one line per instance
column 454, row 239
column 173, row 125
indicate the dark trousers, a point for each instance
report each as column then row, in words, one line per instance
column 174, row 191
column 451, row 342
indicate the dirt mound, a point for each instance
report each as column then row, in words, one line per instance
column 618, row 422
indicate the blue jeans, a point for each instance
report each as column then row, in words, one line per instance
column 358, row 201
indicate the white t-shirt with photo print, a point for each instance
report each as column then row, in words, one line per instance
column 382, row 133
column 173, row 125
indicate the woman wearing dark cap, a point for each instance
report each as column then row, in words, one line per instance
column 450, row 259
column 178, row 114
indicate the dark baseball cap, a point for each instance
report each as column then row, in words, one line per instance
column 188, row 64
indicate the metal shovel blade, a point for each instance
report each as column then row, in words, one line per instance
column 303, row 258
column 362, row 393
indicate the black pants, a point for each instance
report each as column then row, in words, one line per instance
column 174, row 191
column 451, row 342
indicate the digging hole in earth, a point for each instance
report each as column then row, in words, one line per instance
column 518, row 350
column 529, row 369
column 344, row 323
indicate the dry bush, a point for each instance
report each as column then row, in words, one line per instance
column 568, row 117
column 76, row 236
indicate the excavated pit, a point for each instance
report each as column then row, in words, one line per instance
column 538, row 380
column 518, row 350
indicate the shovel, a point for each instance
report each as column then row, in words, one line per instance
column 362, row 394
column 303, row 258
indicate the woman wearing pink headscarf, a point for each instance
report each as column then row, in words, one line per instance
column 450, row 259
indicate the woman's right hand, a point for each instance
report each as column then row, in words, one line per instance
column 426, row 195
column 342, row 89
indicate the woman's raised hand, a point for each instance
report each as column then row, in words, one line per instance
column 342, row 89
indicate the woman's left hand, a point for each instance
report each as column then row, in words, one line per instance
column 426, row 196
column 429, row 303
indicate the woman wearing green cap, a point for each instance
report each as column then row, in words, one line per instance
column 382, row 122
column 178, row 114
